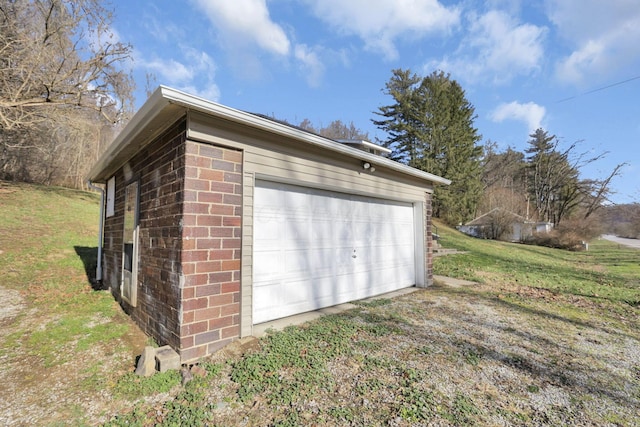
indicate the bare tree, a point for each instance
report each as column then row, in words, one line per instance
column 61, row 82
column 59, row 53
column 337, row 129
column 503, row 180
column 597, row 191
column 554, row 179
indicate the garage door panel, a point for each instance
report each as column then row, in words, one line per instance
column 323, row 248
column 267, row 265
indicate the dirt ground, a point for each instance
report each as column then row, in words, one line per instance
column 512, row 356
column 486, row 356
column 32, row 393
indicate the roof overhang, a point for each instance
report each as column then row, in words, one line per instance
column 167, row 104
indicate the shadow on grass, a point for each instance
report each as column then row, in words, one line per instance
column 89, row 257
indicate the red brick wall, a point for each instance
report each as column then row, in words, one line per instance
column 211, row 233
column 159, row 169
column 429, row 237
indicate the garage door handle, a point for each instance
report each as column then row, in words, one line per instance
column 354, row 254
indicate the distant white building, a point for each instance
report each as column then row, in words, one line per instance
column 500, row 224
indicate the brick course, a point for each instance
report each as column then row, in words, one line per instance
column 428, row 212
column 213, row 204
column 189, row 249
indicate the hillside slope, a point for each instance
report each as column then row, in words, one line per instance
column 62, row 342
column 606, row 272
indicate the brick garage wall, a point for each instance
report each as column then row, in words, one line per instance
column 159, row 168
column 212, row 226
column 429, row 238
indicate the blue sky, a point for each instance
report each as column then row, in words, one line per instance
column 569, row 66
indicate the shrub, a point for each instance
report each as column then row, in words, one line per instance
column 570, row 235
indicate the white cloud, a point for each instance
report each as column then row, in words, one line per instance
column 245, row 22
column 210, row 92
column 496, row 47
column 379, row 22
column 530, row 113
column 310, row 64
column 245, row 25
column 169, row 70
column 603, row 35
column 195, row 73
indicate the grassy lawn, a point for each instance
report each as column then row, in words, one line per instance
column 544, row 337
column 62, row 341
column 607, row 273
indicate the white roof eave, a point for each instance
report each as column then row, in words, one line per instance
column 164, row 96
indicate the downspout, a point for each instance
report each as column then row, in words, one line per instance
column 100, row 230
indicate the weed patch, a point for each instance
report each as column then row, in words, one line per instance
column 292, row 362
column 134, row 386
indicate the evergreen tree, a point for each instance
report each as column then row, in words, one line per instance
column 430, row 127
column 402, row 119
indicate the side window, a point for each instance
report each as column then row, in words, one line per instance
column 129, row 285
column 111, row 196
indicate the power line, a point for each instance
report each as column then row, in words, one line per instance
column 599, row 89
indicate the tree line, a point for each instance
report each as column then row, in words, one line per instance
column 430, row 126
column 64, row 94
column 63, row 89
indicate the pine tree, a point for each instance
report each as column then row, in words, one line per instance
column 402, row 119
column 430, row 127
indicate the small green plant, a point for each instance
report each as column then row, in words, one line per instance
column 368, row 345
column 188, row 408
column 290, row 419
column 472, row 357
column 463, row 409
column 134, row 386
column 213, row 369
column 371, row 363
column 139, row 417
column 369, row 386
column 301, row 351
column 425, row 349
column 342, row 414
column 417, row 405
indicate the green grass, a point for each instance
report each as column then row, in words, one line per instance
column 324, row 372
column 605, row 272
column 48, row 236
column 132, row 386
column 48, row 244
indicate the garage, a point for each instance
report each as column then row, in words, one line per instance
column 315, row 248
column 239, row 219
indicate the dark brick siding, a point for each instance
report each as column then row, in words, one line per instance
column 189, row 242
column 159, row 169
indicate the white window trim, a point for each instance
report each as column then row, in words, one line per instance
column 111, row 197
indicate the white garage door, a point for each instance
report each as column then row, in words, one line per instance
column 315, row 248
